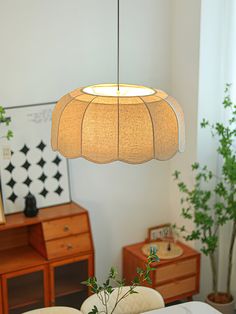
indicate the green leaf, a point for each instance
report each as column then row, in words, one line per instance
column 94, row 310
column 9, row 134
column 113, row 273
column 195, row 166
column 2, row 110
column 176, row 174
column 139, row 271
column 204, row 123
column 136, row 280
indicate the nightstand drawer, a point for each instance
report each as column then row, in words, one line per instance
column 60, row 228
column 68, row 246
column 176, row 288
column 175, row 270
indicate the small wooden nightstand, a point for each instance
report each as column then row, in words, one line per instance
column 175, row 279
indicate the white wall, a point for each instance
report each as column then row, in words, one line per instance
column 184, row 86
column 123, row 202
column 51, row 47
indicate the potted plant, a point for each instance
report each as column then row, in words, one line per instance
column 210, row 208
column 104, row 291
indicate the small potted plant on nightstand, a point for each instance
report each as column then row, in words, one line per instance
column 106, row 291
column 210, row 208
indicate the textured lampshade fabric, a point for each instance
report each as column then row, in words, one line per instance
column 124, row 127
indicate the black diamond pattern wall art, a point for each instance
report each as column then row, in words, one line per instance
column 24, row 149
column 10, row 167
column 44, row 193
column 58, row 176
column 41, row 145
column 28, row 181
column 57, row 160
column 11, row 183
column 12, row 197
column 26, row 165
column 43, row 177
column 41, row 162
column 59, row 190
column 33, row 166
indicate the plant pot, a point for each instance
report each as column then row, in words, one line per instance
column 222, row 302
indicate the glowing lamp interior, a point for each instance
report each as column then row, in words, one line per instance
column 124, row 90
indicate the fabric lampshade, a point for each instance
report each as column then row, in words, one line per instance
column 134, row 125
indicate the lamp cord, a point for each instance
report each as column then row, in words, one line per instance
column 118, row 45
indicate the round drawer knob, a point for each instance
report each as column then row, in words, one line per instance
column 66, row 228
column 69, row 246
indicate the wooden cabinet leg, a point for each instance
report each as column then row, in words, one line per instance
column 46, row 287
column 5, row 295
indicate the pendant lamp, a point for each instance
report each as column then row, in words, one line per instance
column 108, row 122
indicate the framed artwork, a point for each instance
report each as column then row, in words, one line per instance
column 28, row 164
column 159, row 232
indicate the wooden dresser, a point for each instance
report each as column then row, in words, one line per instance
column 44, row 259
column 175, row 279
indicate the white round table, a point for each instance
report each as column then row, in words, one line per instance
column 193, row 307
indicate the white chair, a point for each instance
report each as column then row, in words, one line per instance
column 146, row 299
column 54, row 310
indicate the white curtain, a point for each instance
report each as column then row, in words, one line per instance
column 229, row 70
column 230, row 45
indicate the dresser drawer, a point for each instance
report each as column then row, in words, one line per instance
column 60, row 228
column 175, row 270
column 68, row 246
column 177, row 288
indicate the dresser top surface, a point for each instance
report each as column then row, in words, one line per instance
column 45, row 214
column 136, row 250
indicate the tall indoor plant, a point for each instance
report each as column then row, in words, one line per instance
column 210, row 208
